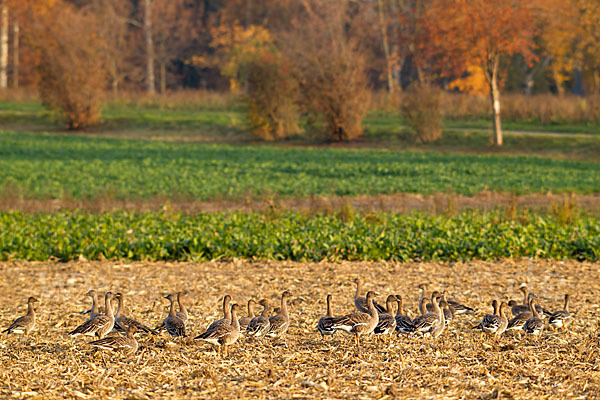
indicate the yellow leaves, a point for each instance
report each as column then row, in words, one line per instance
column 474, row 83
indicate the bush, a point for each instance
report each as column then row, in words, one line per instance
column 331, row 68
column 72, row 77
column 271, row 97
column 271, row 90
column 421, row 108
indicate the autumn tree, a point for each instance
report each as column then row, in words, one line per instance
column 480, row 32
column 72, row 77
column 329, row 57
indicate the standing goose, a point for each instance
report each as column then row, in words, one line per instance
column 447, row 309
column 427, row 322
column 561, row 318
column 359, row 324
column 496, row 323
column 534, row 325
column 325, row 324
column 26, row 323
column 182, row 313
column 387, row 322
column 122, row 322
column 99, row 326
column 118, row 342
column 403, row 322
column 260, row 324
column 173, row 324
column 280, row 323
column 246, row 320
column 361, row 302
column 226, row 313
column 439, row 328
column 223, row 335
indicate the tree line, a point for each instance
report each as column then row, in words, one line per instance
column 296, row 57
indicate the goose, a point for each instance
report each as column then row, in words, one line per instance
column 118, row 342
column 425, row 323
column 359, row 323
column 439, row 328
column 387, row 322
column 517, row 309
column 226, row 313
column 99, row 326
column 182, row 313
column 325, row 324
column 246, row 320
column 560, row 319
column 122, row 322
column 223, row 334
column 496, row 323
column 534, row 326
column 403, row 322
column 279, row 324
column 173, row 324
column 26, row 323
column 260, row 324
column 361, row 302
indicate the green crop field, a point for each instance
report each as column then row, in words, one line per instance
column 58, row 166
column 294, row 236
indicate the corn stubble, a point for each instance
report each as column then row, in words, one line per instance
column 458, row 364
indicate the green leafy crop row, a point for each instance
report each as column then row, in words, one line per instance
column 56, row 166
column 294, row 236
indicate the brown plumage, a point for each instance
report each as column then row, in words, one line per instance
column 260, row 324
column 226, row 313
column 173, row 324
column 122, row 322
column 361, row 302
column 279, row 323
column 127, row 343
column 26, row 323
column 359, row 323
column 534, row 325
column 561, row 318
column 99, row 326
column 325, row 324
column 182, row 313
column 387, row 322
column 403, row 322
column 223, row 335
column 427, row 322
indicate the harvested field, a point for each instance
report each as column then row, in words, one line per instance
column 457, row 365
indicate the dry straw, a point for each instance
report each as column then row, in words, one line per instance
column 49, row 364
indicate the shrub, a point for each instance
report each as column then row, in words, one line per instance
column 331, row 68
column 271, row 90
column 72, row 77
column 421, row 108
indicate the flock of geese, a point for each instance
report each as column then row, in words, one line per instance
column 115, row 330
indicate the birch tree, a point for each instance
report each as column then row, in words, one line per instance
column 4, row 45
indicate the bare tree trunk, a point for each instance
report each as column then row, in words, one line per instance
column 4, row 46
column 150, row 87
column 386, row 47
column 163, row 77
column 492, row 77
column 15, row 59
